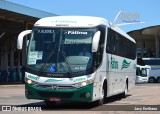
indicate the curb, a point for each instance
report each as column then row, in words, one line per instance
column 19, row 85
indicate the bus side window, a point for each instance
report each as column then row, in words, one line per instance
column 108, row 46
column 120, row 45
column 117, row 43
column 110, row 42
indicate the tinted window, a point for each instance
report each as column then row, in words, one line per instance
column 152, row 62
column 120, row 45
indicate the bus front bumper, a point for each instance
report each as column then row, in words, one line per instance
column 141, row 80
column 83, row 94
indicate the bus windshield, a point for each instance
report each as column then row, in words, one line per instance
column 141, row 72
column 61, row 51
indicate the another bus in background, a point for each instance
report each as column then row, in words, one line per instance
column 142, row 73
column 154, row 72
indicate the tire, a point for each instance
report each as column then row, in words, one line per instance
column 104, row 94
column 151, row 80
column 158, row 79
column 124, row 94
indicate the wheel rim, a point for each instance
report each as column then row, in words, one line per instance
column 102, row 100
column 103, row 93
column 126, row 90
column 152, row 80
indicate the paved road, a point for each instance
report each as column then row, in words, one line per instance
column 142, row 97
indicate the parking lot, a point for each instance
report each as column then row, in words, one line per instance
column 141, row 96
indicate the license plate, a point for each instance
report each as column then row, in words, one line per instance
column 54, row 99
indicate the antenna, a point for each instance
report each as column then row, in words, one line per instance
column 122, row 24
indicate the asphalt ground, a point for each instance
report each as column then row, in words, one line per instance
column 143, row 98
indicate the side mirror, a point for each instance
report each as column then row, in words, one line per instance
column 20, row 38
column 95, row 42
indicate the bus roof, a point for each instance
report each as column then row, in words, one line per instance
column 151, row 58
column 115, row 28
column 71, row 21
column 78, row 21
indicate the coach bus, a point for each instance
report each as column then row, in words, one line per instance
column 57, row 72
column 142, row 74
column 154, row 71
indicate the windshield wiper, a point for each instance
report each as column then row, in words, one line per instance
column 66, row 61
column 44, row 66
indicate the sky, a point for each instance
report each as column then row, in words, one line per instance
column 131, row 10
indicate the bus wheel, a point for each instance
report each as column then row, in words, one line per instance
column 104, row 94
column 124, row 94
column 49, row 103
column 158, row 79
column 151, row 80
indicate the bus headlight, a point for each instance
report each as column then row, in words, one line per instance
column 82, row 84
column 28, row 81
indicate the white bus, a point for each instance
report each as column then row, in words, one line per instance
column 142, row 74
column 55, row 70
column 154, row 72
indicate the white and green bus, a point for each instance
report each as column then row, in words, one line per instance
column 56, row 71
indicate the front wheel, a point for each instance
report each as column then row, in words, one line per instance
column 151, row 80
column 124, row 94
column 103, row 94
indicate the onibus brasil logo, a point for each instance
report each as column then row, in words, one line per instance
column 125, row 64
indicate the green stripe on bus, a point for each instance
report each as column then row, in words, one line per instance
column 52, row 80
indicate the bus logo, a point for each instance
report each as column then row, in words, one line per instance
column 54, row 87
column 114, row 63
column 125, row 64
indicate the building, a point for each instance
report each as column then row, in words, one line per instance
column 14, row 18
column 148, row 41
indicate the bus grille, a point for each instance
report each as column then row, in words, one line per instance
column 58, row 87
column 51, row 94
